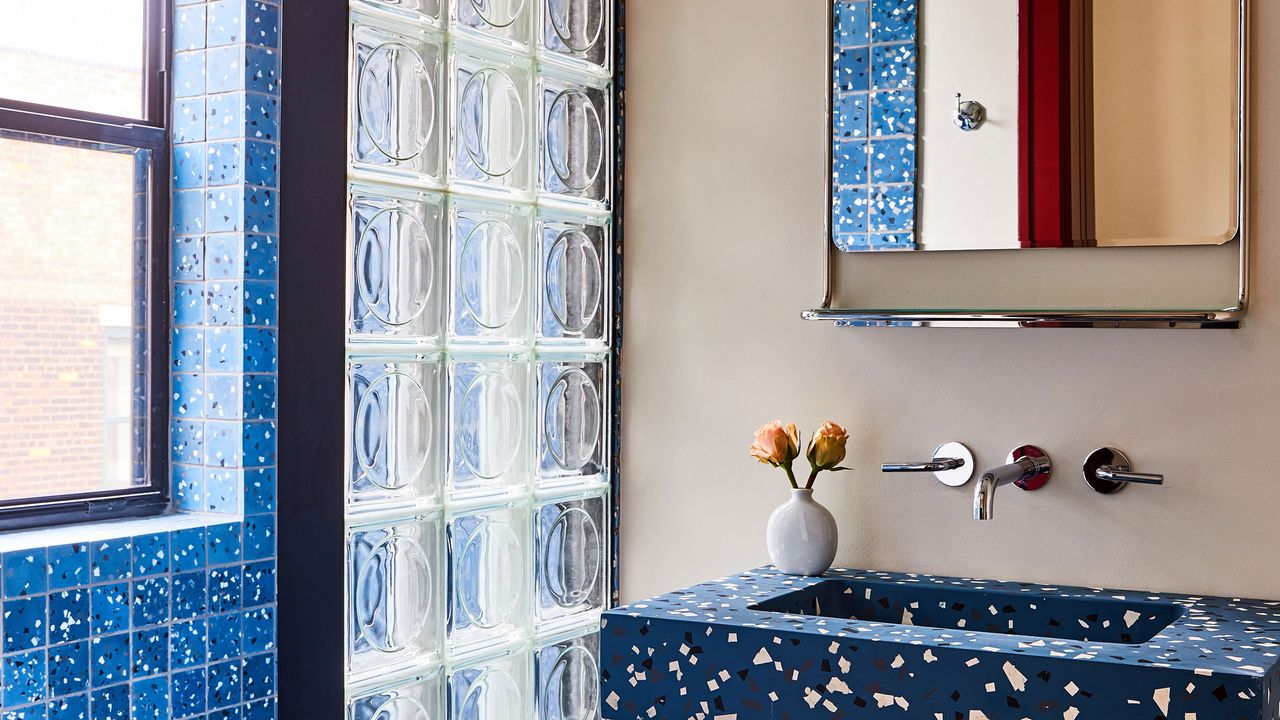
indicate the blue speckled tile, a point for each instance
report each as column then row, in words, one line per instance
column 224, row 684
column 150, row 601
column 188, row 74
column 189, row 166
column 188, row 549
column 189, row 120
column 853, row 23
column 226, row 162
column 265, row 709
column 260, row 350
column 262, row 69
column 25, row 623
column 893, row 113
column 150, row 698
column 150, row 652
column 224, row 209
column 225, row 304
column 892, row 241
column 188, row 643
column 225, row 634
column 26, row 572
column 75, row 707
column 225, row 116
column 151, row 554
column 111, row 703
column 259, row 583
column 260, row 210
column 259, row 304
column 259, row 630
column 189, row 487
column 260, row 490
column 851, row 116
column 893, row 21
column 259, row 443
column 188, row 304
column 224, row 589
column 188, row 212
column 852, row 69
column 190, row 594
column 25, row 678
column 68, row 669
column 187, row 693
column 188, row 391
column 187, row 440
column 189, row 28
column 259, row 537
column 239, row 256
column 188, row 258
column 261, row 116
column 259, row 676
column 261, row 166
column 850, row 163
column 188, row 350
column 224, row 486
column 109, row 660
column 69, row 615
column 226, row 71
column 892, row 209
column 262, row 24
column 893, row 160
column 893, row 66
column 109, row 608
column 224, row 543
column 226, row 22
column 851, row 210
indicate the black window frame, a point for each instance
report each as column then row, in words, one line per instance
column 149, row 133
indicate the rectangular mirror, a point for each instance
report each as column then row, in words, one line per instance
column 1021, row 124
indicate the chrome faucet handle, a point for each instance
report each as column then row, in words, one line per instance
column 952, row 465
column 1107, row 470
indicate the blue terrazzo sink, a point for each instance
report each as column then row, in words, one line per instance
column 863, row 644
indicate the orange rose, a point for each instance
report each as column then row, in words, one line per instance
column 827, row 448
column 776, row 445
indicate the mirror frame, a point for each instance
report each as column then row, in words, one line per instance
column 1221, row 318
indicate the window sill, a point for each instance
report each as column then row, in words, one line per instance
column 89, row 532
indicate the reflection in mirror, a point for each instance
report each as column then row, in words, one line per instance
column 1108, row 123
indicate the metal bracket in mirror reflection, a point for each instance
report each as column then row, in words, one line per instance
column 970, row 114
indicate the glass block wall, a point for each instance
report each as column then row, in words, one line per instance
column 479, row 293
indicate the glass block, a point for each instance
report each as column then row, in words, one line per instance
column 397, row 93
column 491, row 278
column 574, row 273
column 395, row 596
column 489, row 425
column 420, row 698
column 571, row 550
column 491, row 122
column 397, row 261
column 500, row 688
column 395, row 431
column 572, row 410
column 422, row 11
column 575, row 140
column 567, row 678
column 576, row 31
column 508, row 23
column 489, row 581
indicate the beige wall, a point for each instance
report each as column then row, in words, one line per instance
column 725, row 195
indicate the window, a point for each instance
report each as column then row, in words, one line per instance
column 84, row 208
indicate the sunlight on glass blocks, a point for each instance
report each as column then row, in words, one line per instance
column 489, row 432
column 567, row 678
column 508, row 23
column 490, row 274
column 396, row 269
column 431, row 12
column 577, row 32
column 572, row 410
column 491, row 149
column 489, row 577
column 575, row 140
column 396, row 424
column 395, row 581
column 418, row 698
column 499, row 688
column 570, row 571
column 397, row 100
column 574, row 265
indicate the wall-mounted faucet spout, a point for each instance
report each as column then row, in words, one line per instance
column 1028, row 468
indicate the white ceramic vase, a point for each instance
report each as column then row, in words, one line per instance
column 802, row 536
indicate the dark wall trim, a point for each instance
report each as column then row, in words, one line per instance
column 615, row 465
column 311, row 373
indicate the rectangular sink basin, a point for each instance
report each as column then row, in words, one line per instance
column 976, row 610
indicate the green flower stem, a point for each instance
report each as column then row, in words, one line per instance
column 812, row 476
column 791, row 476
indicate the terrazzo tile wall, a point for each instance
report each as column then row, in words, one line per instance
column 179, row 621
column 874, row 124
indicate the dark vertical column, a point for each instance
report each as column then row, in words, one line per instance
column 312, row 375
column 1044, row 123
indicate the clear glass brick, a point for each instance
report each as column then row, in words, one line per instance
column 491, row 122
column 567, row 678
column 489, row 583
column 395, row 578
column 489, row 425
column 504, row 22
column 395, row 431
column 571, row 550
column 397, row 100
column 397, row 240
column 574, row 273
column 496, row 689
column 491, row 282
column 575, row 141
column 419, row 698
column 421, row 11
column 577, row 31
column 572, row 410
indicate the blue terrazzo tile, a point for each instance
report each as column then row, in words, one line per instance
column 849, row 166
column 226, row 71
column 189, row 28
column 891, row 241
column 262, row 24
column 189, row 73
column 852, row 70
column 225, row 22
column 188, row 304
column 260, row 351
column 68, row 669
column 260, row 210
column 259, row 583
column 893, row 21
column 225, row 116
column 262, row 69
column 188, row 549
column 892, row 209
column 190, row 594
column 110, row 608
column 893, row 66
column 150, row 652
column 151, row 554
column 259, row 630
column 188, row 350
column 188, row 258
column 225, row 633
column 110, row 703
column 259, row 537
column 225, row 304
column 259, row 676
column 260, row 490
column 68, row 615
column 853, row 23
column 259, row 304
column 259, row 443
column 109, row 660
column 189, row 120
column 224, row 684
column 25, row 678
column 188, row 395
column 188, row 643
column 75, row 707
column 225, row 210
column 893, row 160
column 26, row 572
column 187, row 439
column 261, row 116
column 188, row 212
column 851, row 116
column 188, row 488
column 225, row 487
column 264, row 709
column 189, row 166
column 25, row 623
column 851, row 211
column 226, row 163
column 187, row 693
column 893, row 113
column 224, row 543
column 150, row 601
column 150, row 699
column 225, row 589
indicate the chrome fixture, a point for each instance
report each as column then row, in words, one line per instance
column 952, row 465
column 1107, row 470
column 1029, row 468
column 970, row 114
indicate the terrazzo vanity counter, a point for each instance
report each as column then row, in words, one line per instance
column 861, row 644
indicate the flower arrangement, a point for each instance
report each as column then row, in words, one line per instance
column 779, row 445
